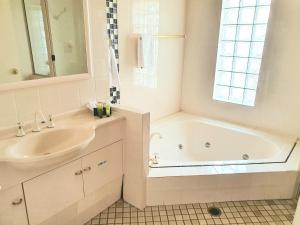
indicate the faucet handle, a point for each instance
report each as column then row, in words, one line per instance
column 51, row 123
column 20, row 132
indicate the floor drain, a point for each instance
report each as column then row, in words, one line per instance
column 207, row 144
column 214, row 211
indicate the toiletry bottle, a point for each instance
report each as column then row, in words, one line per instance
column 95, row 111
column 104, row 109
column 100, row 109
column 108, row 109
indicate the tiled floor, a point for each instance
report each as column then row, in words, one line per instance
column 268, row 212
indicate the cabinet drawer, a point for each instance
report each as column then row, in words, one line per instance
column 52, row 192
column 102, row 167
column 12, row 207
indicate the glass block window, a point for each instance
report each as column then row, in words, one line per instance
column 241, row 41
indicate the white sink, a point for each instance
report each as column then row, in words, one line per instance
column 47, row 147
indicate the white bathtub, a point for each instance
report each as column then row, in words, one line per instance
column 199, row 173
column 188, row 140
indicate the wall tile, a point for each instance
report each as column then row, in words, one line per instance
column 8, row 112
column 172, row 21
column 102, row 89
column 28, row 103
column 69, row 96
column 101, row 68
column 170, row 55
column 50, row 100
column 87, row 91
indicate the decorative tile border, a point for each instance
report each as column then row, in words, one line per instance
column 112, row 31
column 112, row 24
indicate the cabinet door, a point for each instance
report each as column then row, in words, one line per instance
column 102, row 167
column 12, row 207
column 52, row 192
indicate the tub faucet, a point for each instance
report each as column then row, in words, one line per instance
column 154, row 160
column 155, row 134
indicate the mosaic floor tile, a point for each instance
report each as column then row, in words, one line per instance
column 265, row 212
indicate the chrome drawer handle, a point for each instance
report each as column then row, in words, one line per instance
column 17, row 202
column 86, row 169
column 102, row 163
column 79, row 172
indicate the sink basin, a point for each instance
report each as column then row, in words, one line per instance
column 47, row 147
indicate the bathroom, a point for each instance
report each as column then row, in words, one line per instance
column 152, row 112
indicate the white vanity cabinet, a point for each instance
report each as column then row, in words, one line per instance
column 52, row 192
column 12, row 207
column 102, row 167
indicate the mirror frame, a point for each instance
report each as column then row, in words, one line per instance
column 71, row 77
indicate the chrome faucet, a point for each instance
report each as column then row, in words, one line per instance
column 20, row 132
column 155, row 134
column 36, row 126
column 154, row 160
column 50, row 122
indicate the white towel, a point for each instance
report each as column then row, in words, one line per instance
column 114, row 79
column 145, row 51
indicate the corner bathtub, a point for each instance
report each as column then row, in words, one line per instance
column 184, row 140
column 199, row 160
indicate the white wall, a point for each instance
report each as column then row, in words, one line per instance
column 21, row 104
column 277, row 106
column 164, row 99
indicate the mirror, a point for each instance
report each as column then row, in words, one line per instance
column 41, row 38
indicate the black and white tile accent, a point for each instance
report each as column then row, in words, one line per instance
column 114, row 95
column 112, row 30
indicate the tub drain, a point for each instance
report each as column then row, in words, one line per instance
column 207, row 144
column 246, row 157
column 214, row 211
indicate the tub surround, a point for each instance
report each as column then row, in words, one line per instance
column 136, row 155
column 205, row 188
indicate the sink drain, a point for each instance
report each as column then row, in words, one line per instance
column 214, row 211
column 180, row 146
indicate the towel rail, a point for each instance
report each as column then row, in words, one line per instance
column 169, row 36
